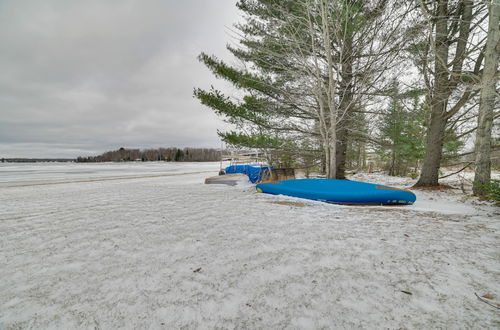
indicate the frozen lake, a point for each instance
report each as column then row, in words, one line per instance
column 149, row 245
column 51, row 172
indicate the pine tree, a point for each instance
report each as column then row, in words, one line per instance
column 179, row 155
column 402, row 131
column 307, row 64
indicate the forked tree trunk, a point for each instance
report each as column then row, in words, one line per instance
column 435, row 132
column 487, row 102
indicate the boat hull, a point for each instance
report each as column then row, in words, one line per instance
column 339, row 191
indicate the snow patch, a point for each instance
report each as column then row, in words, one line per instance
column 171, row 252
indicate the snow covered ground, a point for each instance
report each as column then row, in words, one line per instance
column 149, row 245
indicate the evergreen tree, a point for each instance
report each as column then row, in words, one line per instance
column 307, row 63
column 179, row 155
column 402, row 131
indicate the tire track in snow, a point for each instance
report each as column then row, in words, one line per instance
column 105, row 179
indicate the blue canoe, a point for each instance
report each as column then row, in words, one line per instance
column 339, row 191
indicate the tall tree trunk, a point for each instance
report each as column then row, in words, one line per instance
column 439, row 101
column 342, row 138
column 487, row 102
column 429, row 174
column 323, row 163
column 331, row 86
column 346, row 97
column 332, row 172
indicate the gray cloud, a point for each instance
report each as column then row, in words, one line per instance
column 83, row 77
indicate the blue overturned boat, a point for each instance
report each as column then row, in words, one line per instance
column 339, row 191
column 255, row 172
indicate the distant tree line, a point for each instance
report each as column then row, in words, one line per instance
column 160, row 154
column 35, row 160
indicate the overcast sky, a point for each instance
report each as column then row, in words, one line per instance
column 83, row 77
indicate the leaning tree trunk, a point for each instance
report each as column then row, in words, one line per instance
column 439, row 101
column 487, row 102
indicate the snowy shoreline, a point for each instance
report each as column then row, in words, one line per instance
column 170, row 252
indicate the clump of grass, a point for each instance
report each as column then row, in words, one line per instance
column 492, row 191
